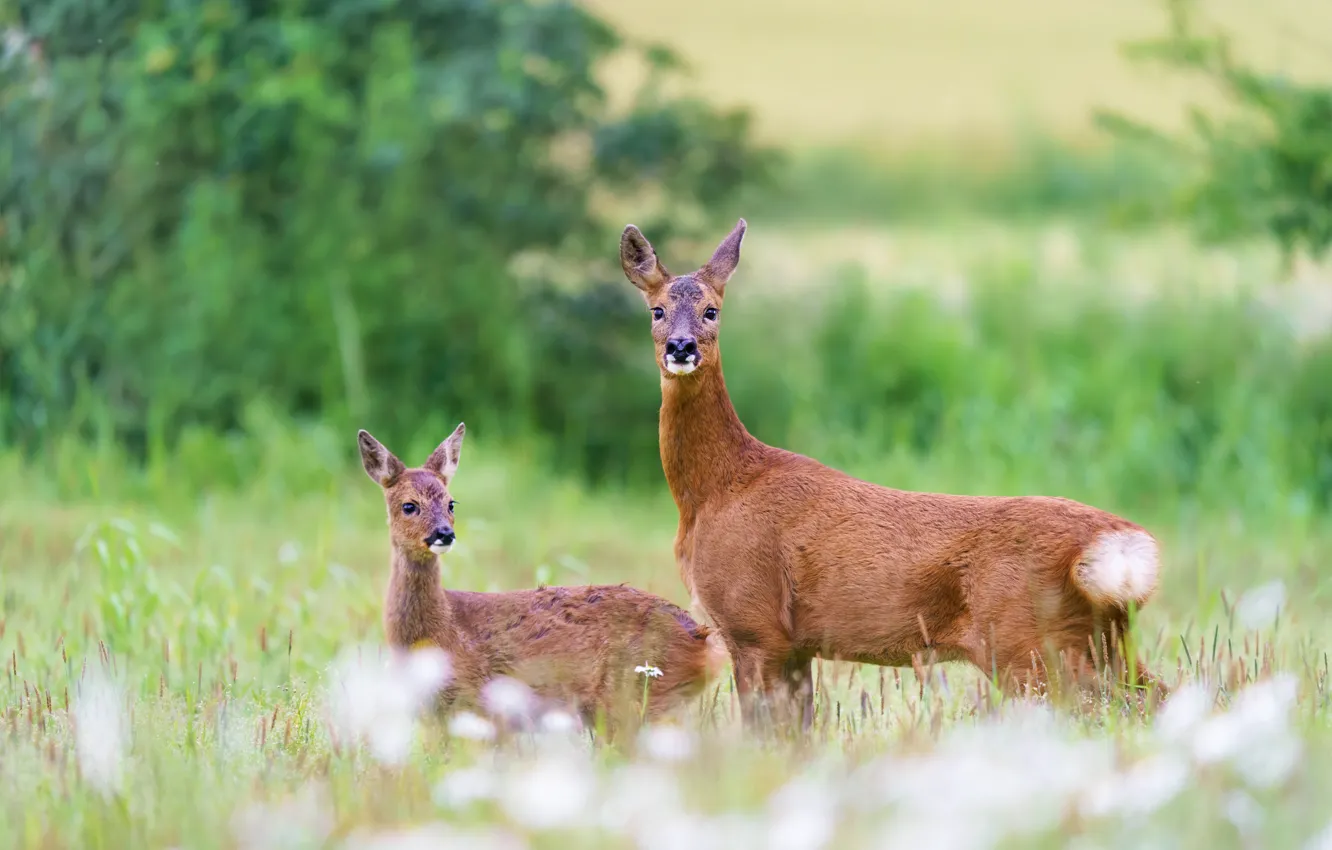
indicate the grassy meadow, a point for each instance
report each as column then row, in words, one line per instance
column 174, row 652
column 191, row 633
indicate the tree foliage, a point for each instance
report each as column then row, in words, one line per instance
column 318, row 202
column 1265, row 166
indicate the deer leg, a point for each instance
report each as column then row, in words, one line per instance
column 787, row 691
column 775, row 689
column 746, row 665
column 798, row 685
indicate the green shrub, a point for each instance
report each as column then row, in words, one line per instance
column 1266, row 167
column 317, row 204
column 1168, row 402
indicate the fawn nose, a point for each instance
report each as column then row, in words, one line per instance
column 440, row 537
column 681, row 348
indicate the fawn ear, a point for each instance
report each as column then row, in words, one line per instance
column 379, row 462
column 640, row 262
column 443, row 461
column 724, row 260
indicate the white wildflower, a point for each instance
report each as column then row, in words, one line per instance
column 378, row 702
column 101, row 731
column 648, row 670
column 693, row 832
column 1321, row 840
column 977, row 784
column 549, row 793
column 289, row 552
column 559, row 722
column 1268, row 764
column 471, row 726
column 667, row 743
column 639, row 798
column 432, row 836
column 425, row 671
column 949, row 834
column 1244, row 812
column 303, row 820
column 462, row 787
column 1255, row 735
column 802, row 815
column 1138, row 791
column 508, row 698
column 1182, row 714
column 1259, row 607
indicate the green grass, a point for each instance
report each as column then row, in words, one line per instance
column 220, row 583
column 221, row 613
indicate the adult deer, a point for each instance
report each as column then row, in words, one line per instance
column 792, row 560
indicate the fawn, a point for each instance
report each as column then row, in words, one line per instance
column 575, row 645
column 791, row 560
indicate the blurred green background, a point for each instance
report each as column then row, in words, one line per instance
column 398, row 217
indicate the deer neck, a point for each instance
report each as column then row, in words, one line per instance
column 416, row 608
column 703, row 442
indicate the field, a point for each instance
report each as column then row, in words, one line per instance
column 179, row 647
column 965, row 75
column 191, row 631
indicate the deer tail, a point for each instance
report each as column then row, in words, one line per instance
column 1120, row 566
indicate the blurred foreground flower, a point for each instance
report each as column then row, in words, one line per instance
column 377, row 701
column 471, row 726
column 466, row 785
column 802, row 815
column 1259, row 607
column 1321, row 840
column 640, row 799
column 560, row 722
column 1007, row 778
column 1140, row 790
column 550, row 793
column 508, row 698
column 432, row 836
column 303, row 820
column 1255, row 737
column 101, row 731
column 667, row 743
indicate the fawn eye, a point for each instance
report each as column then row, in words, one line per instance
column 451, row 504
column 710, row 314
column 409, row 508
column 658, row 314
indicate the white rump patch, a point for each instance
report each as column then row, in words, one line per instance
column 1120, row 567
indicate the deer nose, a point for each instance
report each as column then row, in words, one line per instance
column 440, row 537
column 681, row 348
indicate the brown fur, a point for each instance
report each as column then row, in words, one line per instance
column 792, row 560
column 575, row 645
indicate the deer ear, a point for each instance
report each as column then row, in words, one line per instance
column 640, row 262
column 443, row 461
column 724, row 260
column 379, row 462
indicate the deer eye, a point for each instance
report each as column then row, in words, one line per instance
column 409, row 508
column 658, row 314
column 710, row 314
column 451, row 504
